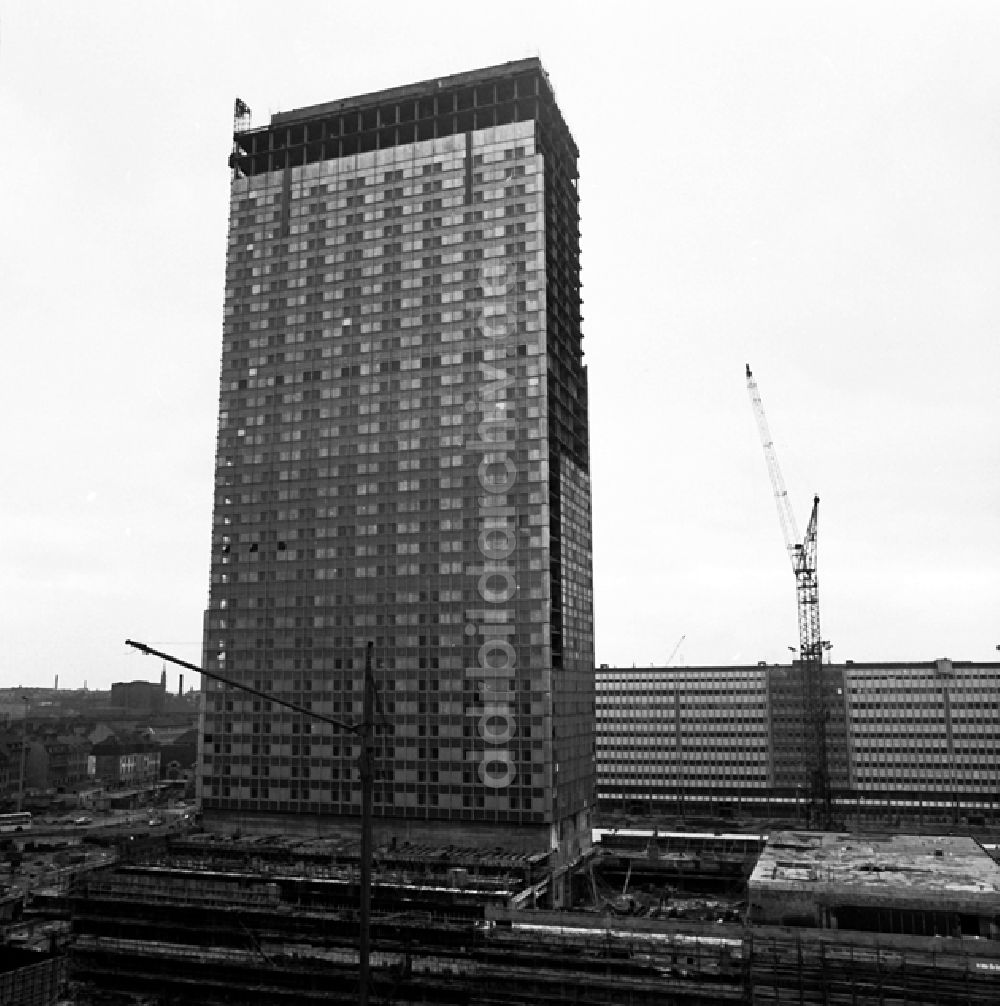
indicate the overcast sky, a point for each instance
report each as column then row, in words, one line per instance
column 813, row 188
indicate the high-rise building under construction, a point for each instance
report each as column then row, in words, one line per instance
column 403, row 459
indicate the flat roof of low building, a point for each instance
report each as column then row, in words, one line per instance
column 931, row 870
column 348, row 846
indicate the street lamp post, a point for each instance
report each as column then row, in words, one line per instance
column 24, row 747
column 365, row 732
column 367, row 775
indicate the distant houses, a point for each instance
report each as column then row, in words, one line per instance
column 69, row 746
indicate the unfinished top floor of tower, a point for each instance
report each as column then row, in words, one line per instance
column 518, row 91
column 925, row 885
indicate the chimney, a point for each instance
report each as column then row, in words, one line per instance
column 180, row 686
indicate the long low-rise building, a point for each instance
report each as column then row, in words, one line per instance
column 901, row 737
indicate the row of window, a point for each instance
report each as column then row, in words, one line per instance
column 474, row 808
column 339, row 185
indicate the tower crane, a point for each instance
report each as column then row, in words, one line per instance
column 802, row 553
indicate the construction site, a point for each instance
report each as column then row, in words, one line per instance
column 804, row 917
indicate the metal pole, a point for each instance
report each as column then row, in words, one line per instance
column 365, row 731
column 365, row 763
column 24, row 746
column 149, row 651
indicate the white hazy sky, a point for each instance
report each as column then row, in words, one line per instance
column 810, row 187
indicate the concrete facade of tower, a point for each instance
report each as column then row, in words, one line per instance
column 403, row 457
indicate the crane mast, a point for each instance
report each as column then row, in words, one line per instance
column 802, row 554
